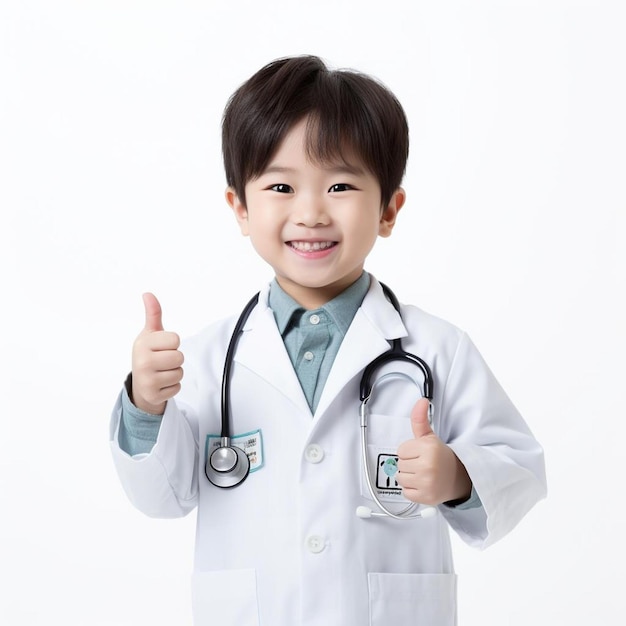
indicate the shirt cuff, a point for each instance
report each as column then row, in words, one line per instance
column 473, row 502
column 138, row 430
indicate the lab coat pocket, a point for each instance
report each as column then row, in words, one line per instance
column 385, row 433
column 225, row 597
column 420, row 599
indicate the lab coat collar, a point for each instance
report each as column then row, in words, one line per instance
column 375, row 324
column 381, row 313
column 261, row 349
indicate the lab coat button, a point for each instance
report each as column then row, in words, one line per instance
column 315, row 544
column 314, row 453
column 314, row 319
column 308, row 355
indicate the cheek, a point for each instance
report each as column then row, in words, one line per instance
column 265, row 239
column 365, row 231
column 262, row 229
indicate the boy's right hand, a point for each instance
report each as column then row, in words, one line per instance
column 156, row 362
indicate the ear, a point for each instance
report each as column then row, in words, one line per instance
column 390, row 212
column 239, row 210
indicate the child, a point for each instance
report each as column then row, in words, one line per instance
column 314, row 160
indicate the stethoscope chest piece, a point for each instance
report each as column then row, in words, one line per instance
column 227, row 466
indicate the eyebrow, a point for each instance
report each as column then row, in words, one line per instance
column 335, row 168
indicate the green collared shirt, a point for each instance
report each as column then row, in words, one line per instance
column 312, row 337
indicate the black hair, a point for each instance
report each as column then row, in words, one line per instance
column 346, row 110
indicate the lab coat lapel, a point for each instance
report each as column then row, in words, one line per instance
column 375, row 323
column 261, row 349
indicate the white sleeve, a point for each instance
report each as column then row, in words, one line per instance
column 164, row 482
column 501, row 455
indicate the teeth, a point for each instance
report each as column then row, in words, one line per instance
column 307, row 246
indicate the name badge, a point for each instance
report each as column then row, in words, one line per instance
column 251, row 443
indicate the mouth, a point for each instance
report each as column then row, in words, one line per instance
column 311, row 246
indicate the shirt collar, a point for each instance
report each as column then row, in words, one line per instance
column 341, row 309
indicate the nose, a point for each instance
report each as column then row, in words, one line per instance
column 310, row 211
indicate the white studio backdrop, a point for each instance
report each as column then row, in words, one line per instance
column 111, row 184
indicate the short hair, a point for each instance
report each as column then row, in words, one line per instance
column 346, row 110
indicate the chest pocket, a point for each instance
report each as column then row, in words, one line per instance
column 385, row 434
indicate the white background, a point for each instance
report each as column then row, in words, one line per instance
column 111, row 184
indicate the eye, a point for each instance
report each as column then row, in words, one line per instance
column 281, row 188
column 340, row 187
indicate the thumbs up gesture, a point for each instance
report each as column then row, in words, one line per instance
column 156, row 362
column 428, row 470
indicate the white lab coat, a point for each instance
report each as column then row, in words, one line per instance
column 285, row 547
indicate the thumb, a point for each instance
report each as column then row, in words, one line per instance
column 153, row 312
column 419, row 419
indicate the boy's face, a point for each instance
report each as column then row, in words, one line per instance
column 313, row 223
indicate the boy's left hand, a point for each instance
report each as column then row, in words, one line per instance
column 428, row 470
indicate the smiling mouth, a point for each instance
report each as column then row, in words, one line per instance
column 311, row 246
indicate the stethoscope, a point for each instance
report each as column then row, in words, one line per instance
column 228, row 465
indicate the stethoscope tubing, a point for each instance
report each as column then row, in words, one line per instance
column 228, row 465
column 364, row 512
